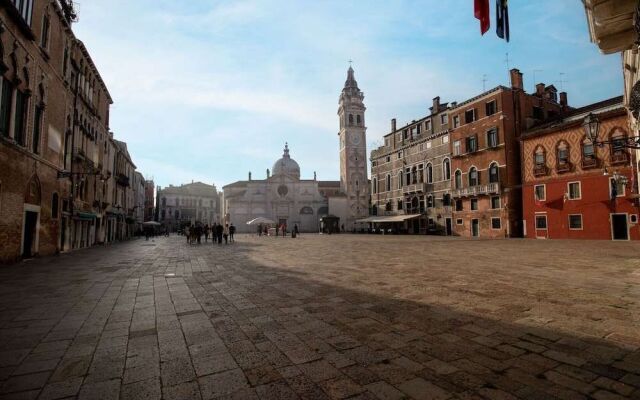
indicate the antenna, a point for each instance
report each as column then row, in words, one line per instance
column 562, row 80
column 506, row 60
column 484, row 82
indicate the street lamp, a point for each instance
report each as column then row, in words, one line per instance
column 591, row 125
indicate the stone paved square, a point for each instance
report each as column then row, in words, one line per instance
column 325, row 317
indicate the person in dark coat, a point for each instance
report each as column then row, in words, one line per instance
column 232, row 231
column 206, row 233
column 219, row 232
column 198, row 230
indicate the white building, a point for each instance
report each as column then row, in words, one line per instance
column 192, row 203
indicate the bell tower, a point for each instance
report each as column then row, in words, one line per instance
column 353, row 151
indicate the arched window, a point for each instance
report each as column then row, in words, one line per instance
column 540, row 157
column 458, row 179
column 400, row 179
column 562, row 152
column 414, row 175
column 429, row 173
column 375, row 185
column 306, row 210
column 473, row 176
column 358, row 120
column 494, row 176
column 588, row 151
column 350, row 119
column 54, row 206
column 446, row 169
column 618, row 151
column 429, row 201
column 388, row 186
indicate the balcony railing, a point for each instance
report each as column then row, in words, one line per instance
column 491, row 188
column 540, row 170
column 415, row 188
column 562, row 167
column 620, row 158
column 589, row 162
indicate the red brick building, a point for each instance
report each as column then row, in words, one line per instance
column 575, row 190
column 486, row 180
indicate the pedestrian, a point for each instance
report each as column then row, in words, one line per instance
column 219, row 233
column 213, row 233
column 283, row 229
column 295, row 229
column 198, row 232
column 225, row 233
column 277, row 229
column 188, row 234
column 260, row 230
column 232, row 231
column 206, row 233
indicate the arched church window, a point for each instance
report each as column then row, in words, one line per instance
column 350, row 119
column 358, row 121
column 306, row 210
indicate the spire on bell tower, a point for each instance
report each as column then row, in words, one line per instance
column 285, row 154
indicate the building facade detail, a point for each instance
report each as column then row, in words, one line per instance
column 188, row 204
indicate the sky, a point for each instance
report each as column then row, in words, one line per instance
column 208, row 90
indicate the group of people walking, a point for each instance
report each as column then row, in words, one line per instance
column 281, row 230
column 218, row 233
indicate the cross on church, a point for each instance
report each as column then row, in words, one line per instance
column 350, row 61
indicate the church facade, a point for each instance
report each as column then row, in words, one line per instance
column 287, row 199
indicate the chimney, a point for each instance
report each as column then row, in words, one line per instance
column 249, row 175
column 393, row 124
column 563, row 99
column 516, row 79
column 540, row 89
column 454, row 104
column 436, row 105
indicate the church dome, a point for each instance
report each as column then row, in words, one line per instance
column 286, row 165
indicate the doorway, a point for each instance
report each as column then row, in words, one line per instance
column 475, row 227
column 619, row 227
column 29, row 247
column 448, row 225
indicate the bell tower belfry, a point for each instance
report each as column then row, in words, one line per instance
column 353, row 151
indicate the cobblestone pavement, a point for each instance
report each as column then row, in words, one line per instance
column 341, row 316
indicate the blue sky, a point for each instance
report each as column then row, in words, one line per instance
column 209, row 90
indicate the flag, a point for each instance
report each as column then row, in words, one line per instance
column 481, row 12
column 502, row 19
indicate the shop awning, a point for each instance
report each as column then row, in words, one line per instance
column 388, row 218
column 85, row 216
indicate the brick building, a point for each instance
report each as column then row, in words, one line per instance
column 575, row 190
column 411, row 174
column 486, row 155
column 56, row 152
column 33, row 109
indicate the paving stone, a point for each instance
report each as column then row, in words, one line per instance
column 222, row 383
column 142, row 390
column 107, row 390
column 23, row 383
column 384, row 391
column 58, row 390
column 419, row 388
column 187, row 390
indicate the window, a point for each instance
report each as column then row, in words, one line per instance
column 456, row 121
column 563, row 152
column 399, row 155
column 458, row 180
column 538, row 113
column 401, row 179
column 574, row 190
column 399, row 204
column 633, row 218
column 431, row 222
column 618, row 152
column 388, row 159
column 429, row 173
column 490, row 108
column 20, row 122
column 494, row 176
column 472, row 144
column 446, row 169
column 495, row 202
column 429, row 144
column 407, row 175
column 474, row 204
column 459, row 221
column 492, row 137
column 496, row 223
column 44, row 39
column 540, row 157
column 444, row 120
column 405, row 134
column 469, row 116
column 375, row 185
column 25, row 8
column 37, row 128
column 420, row 174
column 539, row 193
column 616, row 188
column 459, row 205
column 358, row 121
column 164, row 202
column 575, row 221
column 457, row 148
column 473, row 177
column 388, row 185
column 350, row 119
column 429, row 201
column 427, row 125
column 445, row 139
column 446, row 199
column 541, row 222
column 54, row 206
column 5, row 106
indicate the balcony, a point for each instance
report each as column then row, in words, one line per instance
column 620, row 157
column 589, row 162
column 491, row 188
column 416, row 188
column 540, row 170
column 563, row 167
column 122, row 180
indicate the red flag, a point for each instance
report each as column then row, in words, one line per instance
column 481, row 12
